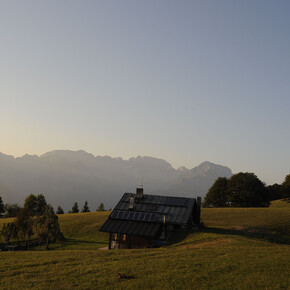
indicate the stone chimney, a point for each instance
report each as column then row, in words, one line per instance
column 139, row 192
column 131, row 202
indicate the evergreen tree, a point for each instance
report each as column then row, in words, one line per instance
column 101, row 207
column 1, row 207
column 75, row 208
column 59, row 210
column 86, row 207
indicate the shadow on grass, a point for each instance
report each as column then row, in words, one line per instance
column 260, row 234
column 75, row 242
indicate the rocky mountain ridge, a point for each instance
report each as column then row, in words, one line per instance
column 65, row 176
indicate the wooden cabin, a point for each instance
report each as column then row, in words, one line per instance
column 144, row 221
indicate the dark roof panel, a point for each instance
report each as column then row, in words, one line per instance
column 148, row 214
column 176, row 201
column 131, row 228
column 176, row 209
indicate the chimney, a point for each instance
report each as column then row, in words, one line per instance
column 139, row 192
column 198, row 201
column 131, row 202
column 197, row 211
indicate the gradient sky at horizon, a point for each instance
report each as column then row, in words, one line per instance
column 185, row 81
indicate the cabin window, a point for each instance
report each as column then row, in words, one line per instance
column 115, row 237
column 124, row 237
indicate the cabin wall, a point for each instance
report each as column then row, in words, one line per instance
column 122, row 241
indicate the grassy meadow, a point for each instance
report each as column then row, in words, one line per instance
column 238, row 248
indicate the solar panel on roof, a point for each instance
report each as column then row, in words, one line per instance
column 146, row 216
column 175, row 201
column 134, row 216
column 114, row 214
column 142, row 215
column 120, row 215
column 126, row 215
column 152, row 217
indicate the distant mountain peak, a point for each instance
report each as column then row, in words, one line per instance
column 66, row 176
column 70, row 155
column 207, row 167
column 182, row 169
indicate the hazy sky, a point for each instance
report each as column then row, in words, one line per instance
column 185, row 81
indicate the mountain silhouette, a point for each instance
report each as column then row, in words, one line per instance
column 66, row 176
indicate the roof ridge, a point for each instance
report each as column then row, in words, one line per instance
column 155, row 195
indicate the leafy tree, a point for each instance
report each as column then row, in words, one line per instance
column 101, row 207
column 246, row 190
column 9, row 231
column 86, row 207
column 285, row 187
column 2, row 210
column 41, row 204
column 59, row 210
column 75, row 208
column 274, row 191
column 217, row 195
column 11, row 210
column 30, row 204
column 24, row 223
column 47, row 227
column 35, row 205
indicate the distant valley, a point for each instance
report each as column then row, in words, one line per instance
column 65, row 177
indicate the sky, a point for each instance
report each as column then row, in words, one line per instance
column 184, row 81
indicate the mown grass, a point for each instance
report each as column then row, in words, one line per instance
column 272, row 224
column 82, row 230
column 208, row 262
column 280, row 203
column 222, row 255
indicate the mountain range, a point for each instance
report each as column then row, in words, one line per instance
column 65, row 177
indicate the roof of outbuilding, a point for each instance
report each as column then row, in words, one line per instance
column 148, row 213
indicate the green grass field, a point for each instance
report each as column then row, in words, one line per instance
column 280, row 203
column 237, row 249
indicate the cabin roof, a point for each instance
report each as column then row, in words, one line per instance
column 176, row 209
column 136, row 228
column 148, row 214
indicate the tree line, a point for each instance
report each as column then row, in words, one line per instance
column 36, row 218
column 11, row 210
column 75, row 208
column 245, row 190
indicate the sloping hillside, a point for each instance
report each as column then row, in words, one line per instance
column 280, row 203
column 221, row 256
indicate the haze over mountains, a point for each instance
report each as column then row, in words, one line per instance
column 65, row 177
